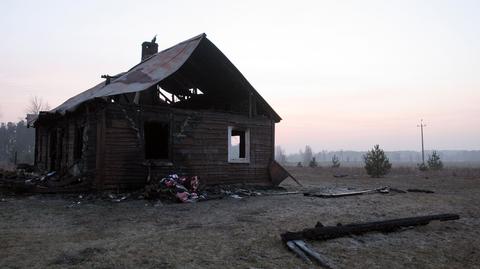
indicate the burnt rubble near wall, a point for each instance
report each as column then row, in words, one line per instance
column 31, row 181
column 169, row 189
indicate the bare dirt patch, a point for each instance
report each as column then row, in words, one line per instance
column 54, row 231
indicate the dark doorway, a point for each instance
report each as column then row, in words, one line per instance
column 156, row 135
column 78, row 143
column 53, row 149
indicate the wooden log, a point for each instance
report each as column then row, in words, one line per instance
column 329, row 232
column 307, row 249
column 293, row 247
column 348, row 193
column 281, row 193
column 420, row 190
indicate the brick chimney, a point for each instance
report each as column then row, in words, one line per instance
column 149, row 48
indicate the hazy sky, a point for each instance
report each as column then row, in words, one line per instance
column 342, row 74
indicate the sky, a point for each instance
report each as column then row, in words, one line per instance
column 343, row 75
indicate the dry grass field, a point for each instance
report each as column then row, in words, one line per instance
column 54, row 231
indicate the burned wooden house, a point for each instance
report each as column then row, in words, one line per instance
column 185, row 110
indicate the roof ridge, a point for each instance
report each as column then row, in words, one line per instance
column 202, row 35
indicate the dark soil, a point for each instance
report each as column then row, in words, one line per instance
column 60, row 231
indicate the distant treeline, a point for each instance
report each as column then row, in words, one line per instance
column 17, row 143
column 406, row 157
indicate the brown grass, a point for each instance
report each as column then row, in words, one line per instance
column 55, row 232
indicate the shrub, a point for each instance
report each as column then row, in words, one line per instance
column 376, row 162
column 434, row 161
column 335, row 161
column 422, row 167
column 299, row 164
column 313, row 163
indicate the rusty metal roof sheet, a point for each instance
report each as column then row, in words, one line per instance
column 142, row 76
column 150, row 72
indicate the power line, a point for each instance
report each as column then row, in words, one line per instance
column 421, row 132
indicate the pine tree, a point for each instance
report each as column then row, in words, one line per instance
column 335, row 161
column 313, row 163
column 376, row 162
column 434, row 161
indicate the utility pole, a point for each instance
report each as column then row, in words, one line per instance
column 421, row 132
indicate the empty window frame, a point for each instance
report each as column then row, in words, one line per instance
column 238, row 145
column 78, row 143
column 157, row 138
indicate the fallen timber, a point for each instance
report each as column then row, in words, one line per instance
column 420, row 190
column 321, row 232
column 303, row 249
column 294, row 240
column 348, row 193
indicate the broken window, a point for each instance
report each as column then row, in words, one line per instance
column 156, row 135
column 238, row 145
column 78, row 143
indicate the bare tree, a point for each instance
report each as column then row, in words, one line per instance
column 280, row 155
column 307, row 155
column 37, row 104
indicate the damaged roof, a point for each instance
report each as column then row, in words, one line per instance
column 198, row 55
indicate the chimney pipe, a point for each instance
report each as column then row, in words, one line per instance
column 149, row 48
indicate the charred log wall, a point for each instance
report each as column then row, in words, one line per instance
column 41, row 147
column 197, row 146
column 55, row 141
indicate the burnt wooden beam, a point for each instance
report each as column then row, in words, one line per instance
column 181, row 97
column 250, row 105
column 272, row 140
column 293, row 247
column 420, row 190
column 278, row 173
column 100, row 149
column 321, row 232
column 311, row 252
column 166, row 98
column 126, row 98
column 348, row 193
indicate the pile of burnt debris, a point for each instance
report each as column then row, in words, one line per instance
column 173, row 188
column 169, row 189
column 186, row 189
column 25, row 179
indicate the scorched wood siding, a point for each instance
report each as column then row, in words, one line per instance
column 198, row 146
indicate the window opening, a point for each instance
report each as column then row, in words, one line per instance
column 238, row 145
